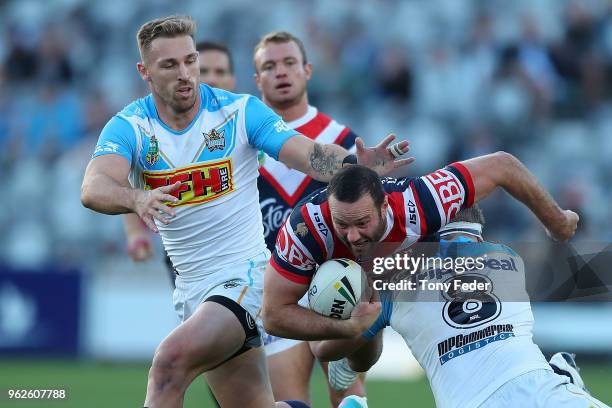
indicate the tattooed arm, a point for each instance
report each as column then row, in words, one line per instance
column 322, row 161
column 319, row 161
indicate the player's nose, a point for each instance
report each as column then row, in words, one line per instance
column 353, row 234
column 183, row 72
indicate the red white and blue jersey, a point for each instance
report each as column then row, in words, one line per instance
column 418, row 206
column 280, row 188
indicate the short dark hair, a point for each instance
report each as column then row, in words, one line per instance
column 280, row 37
column 353, row 182
column 203, row 46
column 471, row 214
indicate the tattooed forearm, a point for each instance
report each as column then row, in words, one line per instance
column 325, row 163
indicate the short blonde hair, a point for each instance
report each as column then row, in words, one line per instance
column 279, row 37
column 166, row 27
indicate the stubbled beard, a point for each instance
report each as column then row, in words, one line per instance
column 282, row 103
column 370, row 245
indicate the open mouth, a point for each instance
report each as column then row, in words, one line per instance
column 283, row 85
column 184, row 91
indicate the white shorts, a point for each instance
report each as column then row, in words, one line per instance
column 274, row 344
column 541, row 389
column 241, row 282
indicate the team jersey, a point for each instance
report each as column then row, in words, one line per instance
column 280, row 187
column 468, row 342
column 218, row 221
column 418, row 206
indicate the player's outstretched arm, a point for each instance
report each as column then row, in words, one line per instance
column 504, row 170
column 106, row 189
column 322, row 161
column 283, row 317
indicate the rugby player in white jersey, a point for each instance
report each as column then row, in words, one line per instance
column 190, row 153
column 360, row 216
column 282, row 72
column 217, row 71
column 474, row 343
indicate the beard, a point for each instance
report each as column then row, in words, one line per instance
column 286, row 101
column 366, row 245
column 175, row 102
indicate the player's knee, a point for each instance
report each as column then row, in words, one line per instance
column 169, row 363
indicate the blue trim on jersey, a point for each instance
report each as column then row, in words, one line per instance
column 152, row 109
column 249, row 273
column 117, row 137
column 384, row 318
column 265, row 129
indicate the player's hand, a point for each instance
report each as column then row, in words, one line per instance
column 365, row 312
column 566, row 229
column 151, row 205
column 382, row 158
column 139, row 247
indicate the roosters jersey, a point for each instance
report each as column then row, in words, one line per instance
column 469, row 342
column 280, row 187
column 218, row 221
column 418, row 206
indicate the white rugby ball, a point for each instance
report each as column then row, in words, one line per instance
column 336, row 288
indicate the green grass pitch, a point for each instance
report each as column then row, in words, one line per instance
column 93, row 385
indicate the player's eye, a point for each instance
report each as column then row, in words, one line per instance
column 267, row 67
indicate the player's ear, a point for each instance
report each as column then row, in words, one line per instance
column 257, row 79
column 308, row 70
column 384, row 207
column 142, row 70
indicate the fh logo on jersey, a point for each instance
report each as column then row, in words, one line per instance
column 200, row 183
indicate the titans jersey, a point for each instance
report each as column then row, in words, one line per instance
column 280, row 187
column 418, row 206
column 218, row 221
column 468, row 342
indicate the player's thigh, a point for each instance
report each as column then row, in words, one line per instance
column 206, row 339
column 242, row 381
column 290, row 372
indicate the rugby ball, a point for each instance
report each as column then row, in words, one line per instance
column 336, row 288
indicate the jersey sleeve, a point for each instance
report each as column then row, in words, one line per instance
column 348, row 140
column 384, row 318
column 297, row 252
column 117, row 137
column 265, row 129
column 438, row 196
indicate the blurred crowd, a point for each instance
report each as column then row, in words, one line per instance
column 457, row 79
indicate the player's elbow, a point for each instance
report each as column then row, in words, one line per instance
column 502, row 166
column 86, row 195
column 271, row 319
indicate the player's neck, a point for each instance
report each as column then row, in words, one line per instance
column 174, row 120
column 293, row 112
